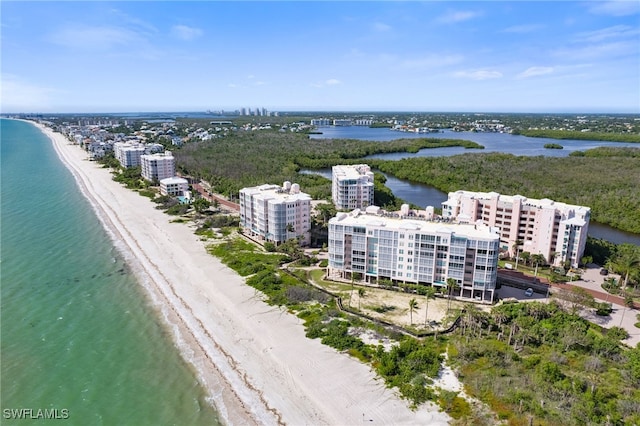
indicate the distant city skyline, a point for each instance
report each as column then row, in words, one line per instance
column 477, row 56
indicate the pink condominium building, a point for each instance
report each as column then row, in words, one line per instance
column 556, row 230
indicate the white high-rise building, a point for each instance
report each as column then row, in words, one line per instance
column 352, row 186
column 174, row 186
column 556, row 230
column 156, row 167
column 320, row 122
column 414, row 251
column 128, row 154
column 276, row 213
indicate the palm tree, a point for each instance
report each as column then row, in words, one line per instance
column 628, row 264
column 451, row 285
column 360, row 296
column 516, row 250
column 538, row 259
column 413, row 304
column 430, row 294
column 290, row 229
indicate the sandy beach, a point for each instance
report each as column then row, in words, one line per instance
column 254, row 359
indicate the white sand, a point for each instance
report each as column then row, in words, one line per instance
column 253, row 358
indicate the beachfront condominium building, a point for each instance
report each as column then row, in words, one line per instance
column 276, row 213
column 374, row 247
column 352, row 186
column 156, row 167
column 128, row 154
column 174, row 186
column 556, row 230
column 320, row 122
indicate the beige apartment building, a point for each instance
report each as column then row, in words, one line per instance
column 352, row 186
column 128, row 154
column 556, row 230
column 372, row 247
column 276, row 213
column 156, row 167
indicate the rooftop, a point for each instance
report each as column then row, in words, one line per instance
column 380, row 221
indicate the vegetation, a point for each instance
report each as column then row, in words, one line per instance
column 535, row 361
column 612, row 196
column 579, row 135
column 553, row 146
column 606, row 152
column 252, row 158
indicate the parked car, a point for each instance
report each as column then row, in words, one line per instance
column 604, row 271
column 528, row 292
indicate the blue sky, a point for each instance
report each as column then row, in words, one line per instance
column 493, row 56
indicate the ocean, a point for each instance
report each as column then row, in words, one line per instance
column 80, row 338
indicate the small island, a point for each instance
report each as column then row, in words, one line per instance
column 553, row 146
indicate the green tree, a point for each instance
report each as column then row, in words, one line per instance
column 200, row 205
column 538, row 260
column 516, row 250
column 429, row 294
column 324, row 212
column 361, row 294
column 627, row 264
column 452, row 284
column 413, row 304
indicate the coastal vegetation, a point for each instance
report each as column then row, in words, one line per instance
column 528, row 362
column 553, row 146
column 254, row 158
column 580, row 135
column 610, row 192
column 536, row 361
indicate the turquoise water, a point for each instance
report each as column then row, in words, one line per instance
column 78, row 332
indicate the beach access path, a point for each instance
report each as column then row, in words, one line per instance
column 253, row 359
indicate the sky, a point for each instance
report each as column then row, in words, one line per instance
column 433, row 56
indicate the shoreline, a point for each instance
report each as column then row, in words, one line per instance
column 253, row 359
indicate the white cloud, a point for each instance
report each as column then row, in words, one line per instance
column 381, row 27
column 19, row 95
column 523, row 29
column 617, row 31
column 432, row 61
column 615, row 8
column 186, row 33
column 95, row 38
column 478, row 74
column 458, row 16
column 329, row 82
column 535, row 71
column 599, row 51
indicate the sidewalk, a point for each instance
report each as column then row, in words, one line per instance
column 591, row 281
column 621, row 316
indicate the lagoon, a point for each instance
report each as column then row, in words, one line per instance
column 423, row 195
column 492, row 142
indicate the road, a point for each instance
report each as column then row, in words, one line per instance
column 591, row 281
column 223, row 202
